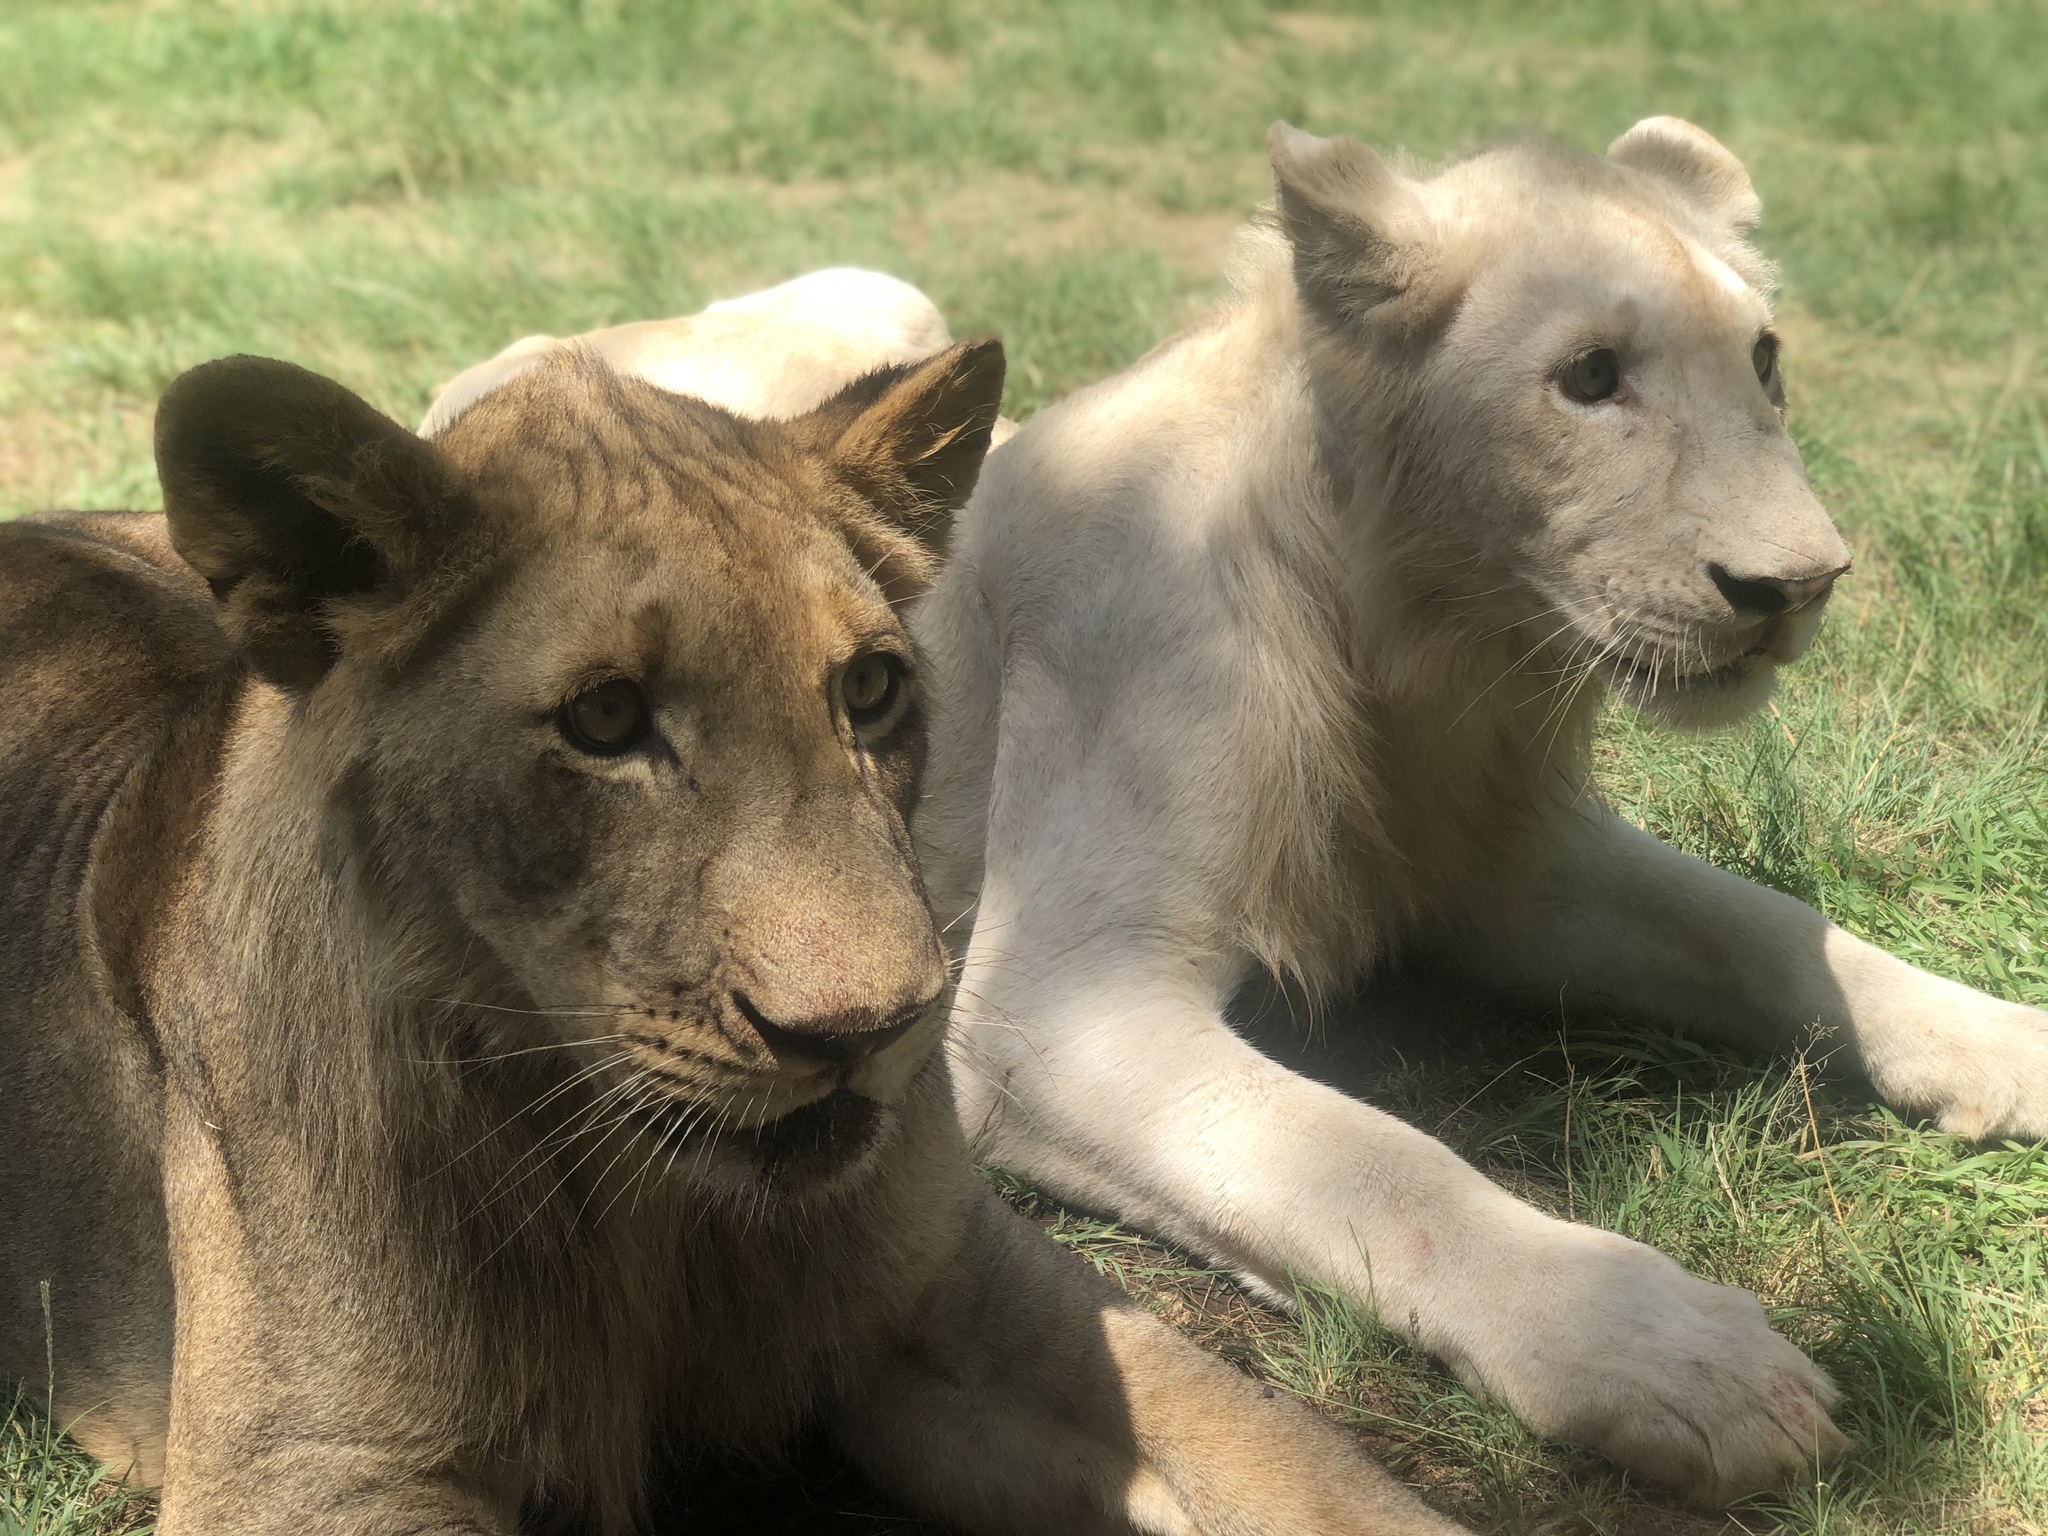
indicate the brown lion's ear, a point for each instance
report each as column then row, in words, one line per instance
column 909, row 441
column 295, row 499
column 1343, row 209
column 1696, row 163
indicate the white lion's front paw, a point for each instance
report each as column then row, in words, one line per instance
column 1978, row 1066
column 1613, row 1345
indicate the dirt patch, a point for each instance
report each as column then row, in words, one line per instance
column 1036, row 216
column 1319, row 29
column 220, row 197
column 47, row 460
column 14, row 171
column 53, row 452
column 915, row 60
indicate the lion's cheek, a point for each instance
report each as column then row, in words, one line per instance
column 518, row 858
column 535, row 846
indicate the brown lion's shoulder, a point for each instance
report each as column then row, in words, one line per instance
column 105, row 639
column 99, row 618
column 107, row 642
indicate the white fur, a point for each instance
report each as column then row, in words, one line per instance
column 1229, row 671
column 774, row 354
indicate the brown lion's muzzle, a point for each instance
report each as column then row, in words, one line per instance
column 840, row 1039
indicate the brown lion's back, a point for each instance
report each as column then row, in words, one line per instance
column 112, row 676
column 106, row 640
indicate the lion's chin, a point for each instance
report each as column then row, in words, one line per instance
column 1723, row 695
column 829, row 1144
column 1701, row 701
column 821, row 1143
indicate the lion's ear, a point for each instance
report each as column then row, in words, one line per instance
column 1696, row 163
column 298, row 502
column 1343, row 209
column 909, row 441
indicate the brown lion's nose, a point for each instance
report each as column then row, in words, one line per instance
column 839, row 1040
column 1765, row 596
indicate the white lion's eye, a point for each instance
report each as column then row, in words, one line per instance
column 1764, row 358
column 1592, row 376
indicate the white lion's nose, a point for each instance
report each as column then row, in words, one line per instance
column 1767, row 594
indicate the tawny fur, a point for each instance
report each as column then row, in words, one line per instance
column 422, row 1122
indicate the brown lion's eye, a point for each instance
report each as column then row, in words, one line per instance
column 611, row 718
column 1594, row 376
column 870, row 687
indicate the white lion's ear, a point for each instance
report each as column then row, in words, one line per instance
column 1343, row 209
column 1696, row 163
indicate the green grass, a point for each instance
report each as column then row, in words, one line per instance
column 47, row 1488
column 389, row 191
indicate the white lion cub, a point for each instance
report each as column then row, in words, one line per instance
column 1276, row 649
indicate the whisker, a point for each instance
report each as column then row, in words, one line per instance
column 577, row 1011
column 561, row 1183
column 529, row 1050
column 539, row 1102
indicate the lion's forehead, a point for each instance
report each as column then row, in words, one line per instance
column 689, row 597
column 1657, row 291
column 1717, row 271
column 1582, row 228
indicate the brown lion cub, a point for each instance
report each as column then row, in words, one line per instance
column 470, row 1008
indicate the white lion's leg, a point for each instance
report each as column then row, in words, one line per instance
column 1616, row 918
column 1116, row 1082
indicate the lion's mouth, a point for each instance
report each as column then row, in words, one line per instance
column 833, row 1130
column 1641, row 675
column 1704, row 695
column 811, row 1141
column 1672, row 673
